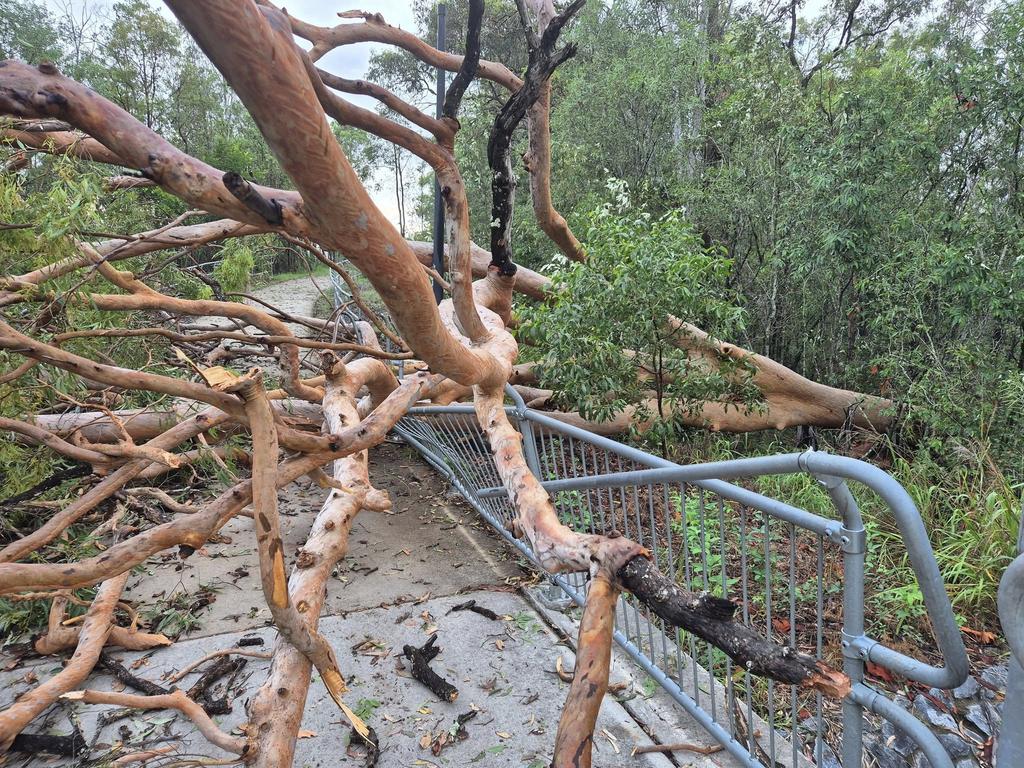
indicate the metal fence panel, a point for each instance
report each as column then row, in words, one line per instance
column 798, row 574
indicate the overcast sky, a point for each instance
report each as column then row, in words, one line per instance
column 348, row 61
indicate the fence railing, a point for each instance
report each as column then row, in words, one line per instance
column 799, row 575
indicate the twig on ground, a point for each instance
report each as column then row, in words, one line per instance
column 421, row 658
column 470, row 605
column 213, row 655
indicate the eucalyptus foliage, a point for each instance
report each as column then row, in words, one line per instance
column 610, row 314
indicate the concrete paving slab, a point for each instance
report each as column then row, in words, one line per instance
column 431, row 543
column 504, row 670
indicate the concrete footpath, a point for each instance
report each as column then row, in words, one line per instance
column 404, row 573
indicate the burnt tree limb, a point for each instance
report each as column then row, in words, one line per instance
column 65, row 746
column 121, row 672
column 711, row 618
column 421, row 671
column 471, row 605
column 470, row 61
column 544, row 59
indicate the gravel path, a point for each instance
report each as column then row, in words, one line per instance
column 294, row 297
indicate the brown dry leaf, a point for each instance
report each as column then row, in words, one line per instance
column 879, row 672
column 422, row 598
column 563, row 674
column 503, row 734
column 306, row 734
column 499, row 644
column 983, row 636
column 425, row 740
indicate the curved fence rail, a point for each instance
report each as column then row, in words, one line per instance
column 797, row 574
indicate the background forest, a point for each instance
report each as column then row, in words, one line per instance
column 836, row 186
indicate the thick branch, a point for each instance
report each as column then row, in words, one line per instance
column 543, row 61
column 575, row 738
column 470, row 62
column 93, row 635
column 711, row 619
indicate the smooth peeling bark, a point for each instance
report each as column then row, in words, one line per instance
column 58, row 639
column 453, row 191
column 192, row 531
column 112, row 375
column 575, row 738
column 143, row 243
column 239, row 40
column 537, row 159
column 42, row 92
column 557, row 547
column 286, row 614
column 145, row 424
column 61, row 143
column 85, row 503
column 373, row 29
column 40, row 436
column 174, row 700
column 527, row 282
column 141, row 296
column 91, row 640
column 276, row 711
column 792, row 400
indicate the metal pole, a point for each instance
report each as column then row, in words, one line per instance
column 442, row 13
column 1010, row 751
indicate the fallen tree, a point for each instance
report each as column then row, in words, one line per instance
column 463, row 349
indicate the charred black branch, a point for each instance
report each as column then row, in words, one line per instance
column 711, row 618
column 421, row 658
column 119, row 671
column 544, row 59
column 79, row 470
column 470, row 605
column 221, row 668
column 251, row 198
column 65, row 746
column 470, row 61
column 370, row 742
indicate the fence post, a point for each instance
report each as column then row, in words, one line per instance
column 854, row 547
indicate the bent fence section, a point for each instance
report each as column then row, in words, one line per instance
column 798, row 574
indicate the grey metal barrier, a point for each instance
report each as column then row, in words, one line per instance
column 1011, row 616
column 798, row 575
